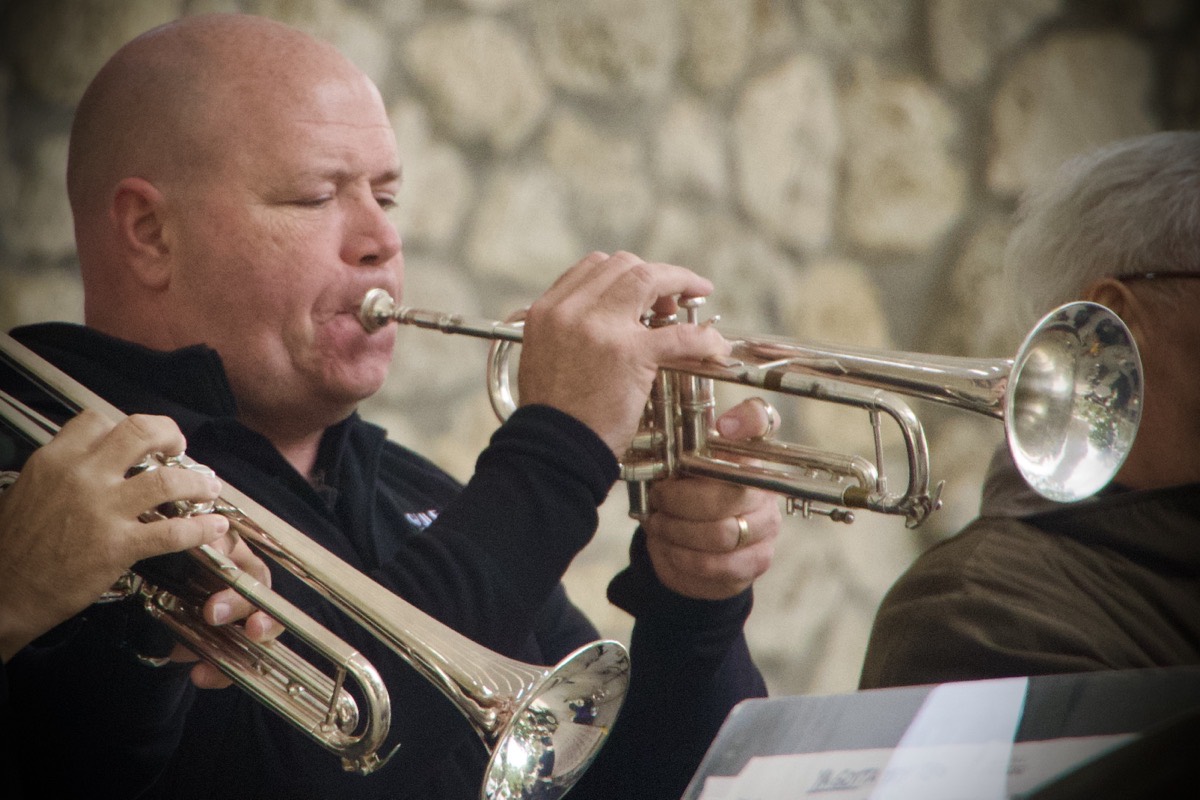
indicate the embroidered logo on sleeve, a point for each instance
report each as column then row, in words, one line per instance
column 421, row 519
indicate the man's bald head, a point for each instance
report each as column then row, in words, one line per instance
column 167, row 102
column 230, row 178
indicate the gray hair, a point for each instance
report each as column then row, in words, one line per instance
column 1132, row 206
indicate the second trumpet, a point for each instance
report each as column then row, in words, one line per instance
column 1070, row 401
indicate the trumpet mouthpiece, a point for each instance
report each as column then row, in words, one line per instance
column 376, row 310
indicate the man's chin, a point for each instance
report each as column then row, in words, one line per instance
column 363, row 383
column 357, row 365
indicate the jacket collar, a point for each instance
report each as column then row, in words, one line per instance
column 189, row 384
column 1006, row 494
column 1158, row 524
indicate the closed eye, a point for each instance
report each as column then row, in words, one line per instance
column 312, row 202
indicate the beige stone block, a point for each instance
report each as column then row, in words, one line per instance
column 797, row 603
column 787, row 143
column 814, row 607
column 364, row 42
column 748, row 272
column 521, row 232
column 718, row 37
column 961, row 447
column 836, row 301
column 398, row 15
column 1075, row 92
column 598, row 563
column 430, row 363
column 858, row 25
column 193, row 7
column 904, row 188
column 438, row 185
column 618, row 49
column 871, row 554
column 690, row 150
column 492, row 6
column 605, row 171
column 400, row 427
column 358, row 35
column 457, row 449
column 835, row 304
column 966, row 37
column 480, row 78
column 976, row 317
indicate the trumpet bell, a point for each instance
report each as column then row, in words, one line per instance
column 549, row 741
column 1074, row 401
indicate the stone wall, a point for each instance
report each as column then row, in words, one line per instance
column 844, row 170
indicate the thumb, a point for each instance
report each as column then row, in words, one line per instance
column 179, row 533
column 753, row 418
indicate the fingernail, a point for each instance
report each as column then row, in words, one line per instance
column 221, row 613
column 215, row 486
column 219, row 528
column 729, row 426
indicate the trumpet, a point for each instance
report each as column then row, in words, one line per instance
column 543, row 726
column 1070, row 400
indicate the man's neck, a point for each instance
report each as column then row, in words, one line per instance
column 299, row 440
column 1163, row 455
column 302, row 454
column 298, row 448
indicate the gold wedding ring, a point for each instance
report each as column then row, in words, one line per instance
column 743, row 531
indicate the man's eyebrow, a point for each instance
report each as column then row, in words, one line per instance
column 341, row 175
column 390, row 176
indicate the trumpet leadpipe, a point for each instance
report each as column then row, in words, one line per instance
column 378, row 309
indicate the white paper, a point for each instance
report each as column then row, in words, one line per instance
column 928, row 772
column 980, row 719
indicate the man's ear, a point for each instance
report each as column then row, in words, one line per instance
column 1124, row 303
column 138, row 221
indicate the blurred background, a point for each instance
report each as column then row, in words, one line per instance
column 843, row 170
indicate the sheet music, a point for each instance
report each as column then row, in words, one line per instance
column 942, row 771
column 981, row 720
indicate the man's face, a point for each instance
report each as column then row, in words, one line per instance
column 278, row 242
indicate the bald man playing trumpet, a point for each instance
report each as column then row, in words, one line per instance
column 230, row 179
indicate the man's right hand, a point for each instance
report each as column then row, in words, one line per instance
column 586, row 352
column 69, row 524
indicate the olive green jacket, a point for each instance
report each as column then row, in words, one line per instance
column 1036, row 587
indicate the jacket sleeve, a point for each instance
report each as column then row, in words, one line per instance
column 495, row 555
column 690, row 666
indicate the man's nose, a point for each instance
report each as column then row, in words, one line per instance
column 372, row 238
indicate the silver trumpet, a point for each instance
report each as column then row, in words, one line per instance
column 542, row 725
column 1070, row 400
